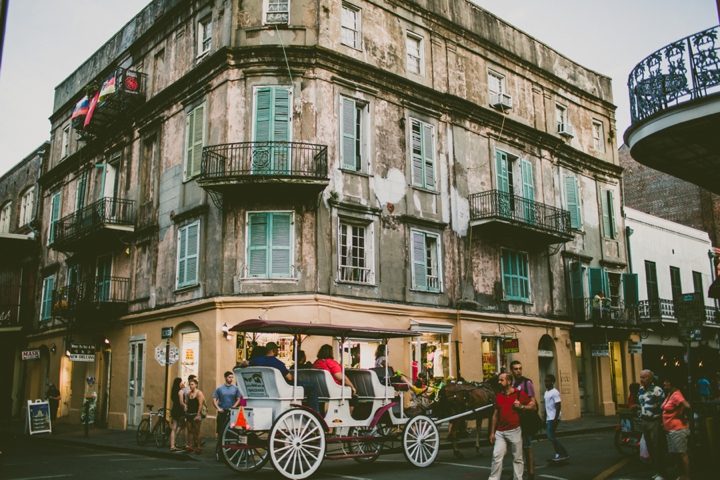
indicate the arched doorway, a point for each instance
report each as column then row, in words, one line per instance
column 547, row 364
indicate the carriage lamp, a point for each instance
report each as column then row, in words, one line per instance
column 225, row 331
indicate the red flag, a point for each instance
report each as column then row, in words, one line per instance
column 93, row 104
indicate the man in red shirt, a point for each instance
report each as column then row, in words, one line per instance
column 505, row 426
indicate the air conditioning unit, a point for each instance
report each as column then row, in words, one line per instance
column 566, row 130
column 501, row 101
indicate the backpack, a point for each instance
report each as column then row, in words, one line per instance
column 530, row 420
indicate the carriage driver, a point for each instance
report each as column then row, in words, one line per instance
column 270, row 360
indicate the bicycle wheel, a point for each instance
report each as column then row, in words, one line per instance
column 143, row 432
column 161, row 432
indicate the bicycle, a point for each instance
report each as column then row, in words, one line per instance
column 161, row 430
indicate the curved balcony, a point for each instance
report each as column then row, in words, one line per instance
column 95, row 228
column 105, row 296
column 510, row 216
column 675, row 109
column 265, row 170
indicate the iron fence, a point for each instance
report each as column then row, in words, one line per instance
column 106, row 211
column 589, row 310
column 90, row 292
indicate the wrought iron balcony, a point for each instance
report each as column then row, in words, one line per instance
column 98, row 226
column 590, row 311
column 682, row 71
column 511, row 215
column 265, row 169
column 660, row 309
column 106, row 295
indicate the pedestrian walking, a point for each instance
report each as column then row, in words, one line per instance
column 650, row 400
column 526, row 386
column 193, row 419
column 177, row 412
column 505, row 427
column 676, row 426
column 553, row 415
column 53, row 396
column 226, row 396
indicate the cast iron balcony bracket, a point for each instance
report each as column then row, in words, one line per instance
column 498, row 205
column 105, row 213
column 680, row 72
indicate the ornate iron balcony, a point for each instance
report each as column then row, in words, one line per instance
column 682, row 71
column 549, row 224
column 105, row 214
column 587, row 310
column 109, row 294
column 655, row 310
column 259, row 167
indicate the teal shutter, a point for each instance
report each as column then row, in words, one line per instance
column 608, row 214
column 258, row 245
column 630, row 289
column 419, row 261
column 191, row 253
column 598, row 281
column 55, row 205
column 501, row 162
column 349, row 140
column 577, row 292
column 182, row 247
column 263, row 112
column 195, row 134
column 417, row 155
column 281, row 118
column 428, row 156
column 280, row 241
column 272, row 124
column 47, row 298
column 573, row 201
column 528, row 191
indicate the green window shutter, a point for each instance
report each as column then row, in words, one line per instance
column 189, row 129
column 198, row 137
column 419, row 259
column 258, row 245
column 281, row 118
column 577, row 292
column 611, row 213
column 81, row 189
column 55, row 205
column 523, row 276
column 191, row 253
column 651, row 280
column 47, row 298
column 516, row 278
column 608, row 214
column 596, row 281
column 349, row 140
column 182, row 248
column 573, row 201
column 280, row 241
column 428, row 156
column 630, row 289
column 528, row 191
column 501, row 162
column 698, row 283
column 675, row 282
column 263, row 113
column 417, row 154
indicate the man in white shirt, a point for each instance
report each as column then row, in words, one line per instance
column 553, row 407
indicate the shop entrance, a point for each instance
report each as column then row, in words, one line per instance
column 494, row 360
column 136, row 382
column 432, row 352
column 546, row 365
column 617, row 369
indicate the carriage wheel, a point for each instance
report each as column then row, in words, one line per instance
column 297, row 444
column 245, row 459
column 421, row 441
column 365, row 446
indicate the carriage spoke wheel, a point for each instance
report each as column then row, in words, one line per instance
column 297, row 444
column 421, row 441
column 244, row 459
column 365, row 446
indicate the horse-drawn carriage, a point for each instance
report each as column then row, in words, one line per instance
column 296, row 439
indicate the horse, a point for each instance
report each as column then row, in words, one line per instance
column 459, row 397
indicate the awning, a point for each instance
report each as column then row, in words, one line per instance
column 319, row 329
column 429, row 326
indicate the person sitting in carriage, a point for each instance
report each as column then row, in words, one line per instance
column 381, row 364
column 270, row 360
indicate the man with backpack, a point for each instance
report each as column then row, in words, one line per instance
column 526, row 386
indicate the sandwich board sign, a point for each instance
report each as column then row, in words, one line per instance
column 38, row 417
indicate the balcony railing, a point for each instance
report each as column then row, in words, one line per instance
column 588, row 310
column 94, row 292
column 682, row 71
column 103, row 213
column 256, row 159
column 663, row 309
column 354, row 274
column 495, row 204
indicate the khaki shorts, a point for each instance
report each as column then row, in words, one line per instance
column 678, row 440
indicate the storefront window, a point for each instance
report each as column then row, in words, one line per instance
column 494, row 361
column 284, row 342
column 190, row 354
column 432, row 355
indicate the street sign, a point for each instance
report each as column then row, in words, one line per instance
column 635, row 348
column 31, row 354
column 166, row 332
column 173, row 354
column 80, row 352
column 600, row 350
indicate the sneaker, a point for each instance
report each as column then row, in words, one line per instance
column 657, row 476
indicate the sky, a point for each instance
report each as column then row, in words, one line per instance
column 46, row 40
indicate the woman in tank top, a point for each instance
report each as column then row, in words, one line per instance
column 193, row 419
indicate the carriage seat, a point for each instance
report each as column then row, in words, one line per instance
column 265, row 383
column 327, row 388
column 367, row 384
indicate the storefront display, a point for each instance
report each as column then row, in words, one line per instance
column 494, row 358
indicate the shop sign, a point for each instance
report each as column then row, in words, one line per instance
column 635, row 348
column 173, row 354
column 80, row 352
column 31, row 354
column 545, row 353
column 511, row 345
column 600, row 350
column 38, row 417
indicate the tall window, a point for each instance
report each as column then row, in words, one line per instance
column 273, row 115
column 46, row 303
column 27, row 203
column 598, row 136
column 651, row 280
column 423, row 156
column 516, row 276
column 81, row 191
column 350, row 34
column 698, row 283
column 608, row 214
column 560, row 117
column 270, row 241
column 353, row 139
column 355, row 261
column 65, row 147
column 414, row 46
column 204, row 35
column 572, row 197
column 194, row 139
column 425, row 258
column 496, row 83
column 55, row 209
column 675, row 282
column 5, row 218
column 187, row 262
column 277, row 11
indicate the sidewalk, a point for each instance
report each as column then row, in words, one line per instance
column 123, row 441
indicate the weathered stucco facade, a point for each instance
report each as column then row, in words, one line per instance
column 405, row 167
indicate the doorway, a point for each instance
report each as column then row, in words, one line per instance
column 546, row 365
column 617, row 371
column 136, row 381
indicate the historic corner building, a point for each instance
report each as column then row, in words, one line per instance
column 400, row 163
